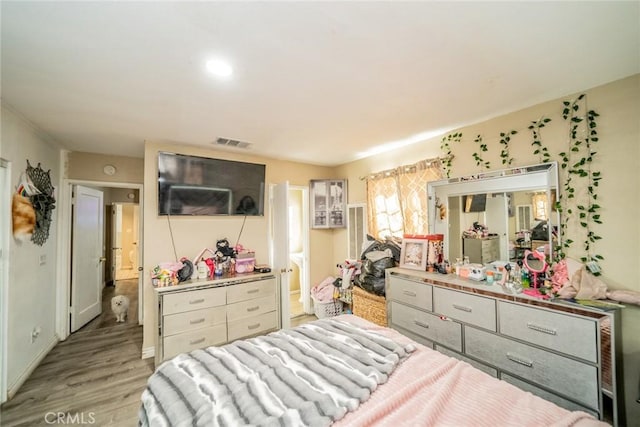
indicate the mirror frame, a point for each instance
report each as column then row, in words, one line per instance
column 537, row 177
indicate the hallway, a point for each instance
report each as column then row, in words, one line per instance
column 107, row 318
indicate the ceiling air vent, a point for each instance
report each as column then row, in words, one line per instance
column 232, row 143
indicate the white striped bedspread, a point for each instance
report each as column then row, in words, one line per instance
column 311, row 375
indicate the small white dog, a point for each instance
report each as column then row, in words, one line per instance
column 120, row 307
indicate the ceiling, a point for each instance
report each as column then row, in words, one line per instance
column 317, row 82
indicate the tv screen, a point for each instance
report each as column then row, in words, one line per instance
column 475, row 203
column 191, row 185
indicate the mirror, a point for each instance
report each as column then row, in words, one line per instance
column 496, row 215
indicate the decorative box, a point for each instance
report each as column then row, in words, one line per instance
column 245, row 265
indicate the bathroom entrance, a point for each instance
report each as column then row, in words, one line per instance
column 123, row 241
column 299, row 288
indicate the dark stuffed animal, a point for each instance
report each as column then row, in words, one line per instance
column 222, row 247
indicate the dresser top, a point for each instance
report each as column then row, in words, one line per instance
column 216, row 282
column 494, row 290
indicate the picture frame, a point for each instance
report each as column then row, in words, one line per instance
column 413, row 254
column 328, row 199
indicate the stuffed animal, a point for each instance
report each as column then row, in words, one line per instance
column 223, row 248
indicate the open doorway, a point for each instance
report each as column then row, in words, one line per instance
column 124, row 200
column 299, row 288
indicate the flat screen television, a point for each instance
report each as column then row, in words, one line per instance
column 192, row 185
column 475, row 203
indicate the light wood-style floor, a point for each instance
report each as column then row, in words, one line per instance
column 95, row 376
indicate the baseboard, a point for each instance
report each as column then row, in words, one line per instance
column 13, row 389
column 148, row 352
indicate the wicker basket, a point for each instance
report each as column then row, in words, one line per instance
column 369, row 306
column 327, row 309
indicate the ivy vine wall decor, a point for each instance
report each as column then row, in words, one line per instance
column 578, row 200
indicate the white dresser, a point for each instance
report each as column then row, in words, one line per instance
column 562, row 352
column 202, row 313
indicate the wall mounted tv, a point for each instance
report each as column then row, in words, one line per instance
column 191, row 185
column 475, row 203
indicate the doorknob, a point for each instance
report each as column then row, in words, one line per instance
column 102, row 259
column 286, row 270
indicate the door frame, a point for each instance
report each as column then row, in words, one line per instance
column 5, row 192
column 63, row 282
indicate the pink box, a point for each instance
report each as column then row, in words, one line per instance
column 245, row 265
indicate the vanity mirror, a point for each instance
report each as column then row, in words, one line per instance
column 517, row 214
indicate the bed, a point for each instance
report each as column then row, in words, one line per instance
column 342, row 371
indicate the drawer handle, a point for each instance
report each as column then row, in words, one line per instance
column 253, row 308
column 527, row 363
column 542, row 329
column 421, row 324
column 410, row 293
column 197, row 301
column 255, row 326
column 194, row 342
column 462, row 308
column 253, row 291
column 195, row 322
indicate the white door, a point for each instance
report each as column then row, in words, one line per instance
column 136, row 222
column 87, row 256
column 280, row 246
column 116, row 239
column 497, row 213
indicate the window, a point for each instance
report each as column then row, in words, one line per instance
column 540, row 207
column 397, row 199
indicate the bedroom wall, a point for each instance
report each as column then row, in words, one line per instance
column 192, row 234
column 32, row 285
column 618, row 154
column 89, row 166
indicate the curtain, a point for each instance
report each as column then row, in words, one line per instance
column 397, row 199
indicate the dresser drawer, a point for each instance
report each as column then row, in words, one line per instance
column 193, row 300
column 252, row 326
column 190, row 320
column 200, row 338
column 410, row 292
column 566, row 376
column 251, row 290
column 478, row 365
column 428, row 325
column 546, row 395
column 250, row 308
column 467, row 308
column 560, row 332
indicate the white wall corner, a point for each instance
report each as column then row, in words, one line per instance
column 13, row 388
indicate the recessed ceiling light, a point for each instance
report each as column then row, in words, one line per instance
column 219, row 68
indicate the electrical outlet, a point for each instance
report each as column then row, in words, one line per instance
column 43, row 259
column 35, row 333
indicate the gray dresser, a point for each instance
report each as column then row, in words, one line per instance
column 202, row 313
column 562, row 352
column 481, row 251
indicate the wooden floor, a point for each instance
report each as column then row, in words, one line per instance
column 95, row 375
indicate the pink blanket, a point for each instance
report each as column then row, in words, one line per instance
column 431, row 389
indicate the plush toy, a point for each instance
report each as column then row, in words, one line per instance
column 222, row 247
